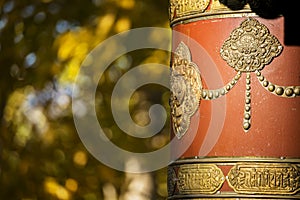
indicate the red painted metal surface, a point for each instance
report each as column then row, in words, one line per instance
column 275, row 121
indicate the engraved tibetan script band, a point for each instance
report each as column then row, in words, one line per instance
column 255, row 176
column 262, row 178
column 195, row 178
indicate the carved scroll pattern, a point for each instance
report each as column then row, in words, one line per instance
column 196, row 179
column 265, row 178
column 181, row 8
column 186, row 89
column 275, row 177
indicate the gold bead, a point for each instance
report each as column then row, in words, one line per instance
column 248, row 101
column 271, row 88
column 210, row 95
column 289, row 92
column 297, row 91
column 279, row 91
column 261, row 78
column 247, row 108
column 228, row 87
column 217, row 94
column 246, row 126
column 223, row 91
column 265, row 83
column 204, row 94
column 247, row 116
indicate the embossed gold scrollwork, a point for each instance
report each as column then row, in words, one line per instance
column 182, row 8
column 265, row 178
column 196, row 179
column 255, row 176
column 199, row 178
column 248, row 49
column 186, row 10
column 186, row 89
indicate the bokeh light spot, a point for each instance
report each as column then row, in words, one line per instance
column 80, row 158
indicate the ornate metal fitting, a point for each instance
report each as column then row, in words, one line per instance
column 250, row 47
column 179, row 8
column 256, row 176
column 182, row 8
column 186, row 89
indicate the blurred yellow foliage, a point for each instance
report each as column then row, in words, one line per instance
column 71, row 185
column 123, row 24
column 127, row 4
column 42, row 154
column 80, row 158
column 104, row 25
column 55, row 189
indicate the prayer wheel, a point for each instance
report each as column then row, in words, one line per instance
column 235, row 104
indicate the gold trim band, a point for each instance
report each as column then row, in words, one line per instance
column 254, row 177
column 265, row 178
column 186, row 10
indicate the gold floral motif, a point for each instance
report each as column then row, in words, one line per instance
column 186, row 89
column 250, row 47
column 265, row 178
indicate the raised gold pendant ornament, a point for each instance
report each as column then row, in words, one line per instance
column 249, row 48
column 186, row 89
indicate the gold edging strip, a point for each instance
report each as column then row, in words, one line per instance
column 207, row 16
column 255, row 176
column 190, row 10
column 231, row 160
column 231, row 195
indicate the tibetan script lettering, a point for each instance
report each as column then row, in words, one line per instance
column 265, row 178
column 199, row 178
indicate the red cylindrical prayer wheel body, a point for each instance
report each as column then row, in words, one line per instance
column 235, row 105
